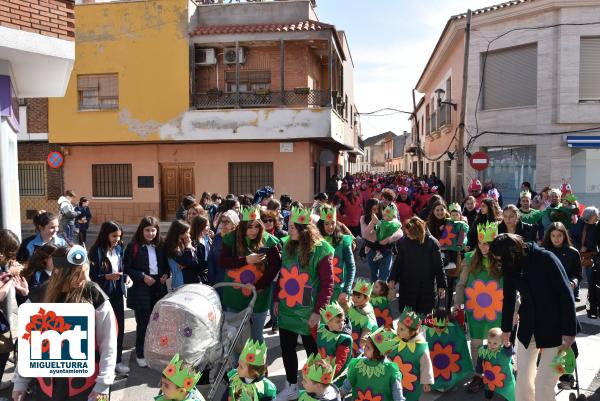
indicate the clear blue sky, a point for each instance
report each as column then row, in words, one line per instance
column 390, row 41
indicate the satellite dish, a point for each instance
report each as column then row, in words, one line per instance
column 326, row 157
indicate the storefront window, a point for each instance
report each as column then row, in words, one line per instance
column 585, row 164
column 509, row 167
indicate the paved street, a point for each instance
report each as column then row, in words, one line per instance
column 143, row 384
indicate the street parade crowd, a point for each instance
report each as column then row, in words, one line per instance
column 483, row 287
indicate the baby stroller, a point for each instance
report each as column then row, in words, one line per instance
column 191, row 322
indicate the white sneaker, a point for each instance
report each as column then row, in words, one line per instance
column 5, row 385
column 289, row 393
column 122, row 369
column 141, row 362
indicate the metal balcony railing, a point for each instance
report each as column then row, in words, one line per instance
column 289, row 98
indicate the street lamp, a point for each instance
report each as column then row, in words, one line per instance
column 440, row 92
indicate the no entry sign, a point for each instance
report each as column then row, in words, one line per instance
column 55, row 159
column 479, row 161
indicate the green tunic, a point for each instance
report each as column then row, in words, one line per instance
column 299, row 288
column 533, row 216
column 239, row 298
column 372, row 379
column 340, row 270
column 483, row 300
column 329, row 341
column 454, row 235
column 381, row 307
column 361, row 319
column 386, row 229
column 558, row 213
column 260, row 390
column 450, row 356
column 498, row 372
column 407, row 356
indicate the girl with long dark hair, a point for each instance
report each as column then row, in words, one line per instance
column 305, row 286
column 202, row 241
column 181, row 255
column 558, row 241
column 488, row 213
column 40, row 268
column 106, row 269
column 146, row 264
column 249, row 255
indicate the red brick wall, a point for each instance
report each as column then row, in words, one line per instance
column 299, row 64
column 37, row 115
column 38, row 151
column 54, row 18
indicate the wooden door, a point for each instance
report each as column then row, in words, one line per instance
column 177, row 181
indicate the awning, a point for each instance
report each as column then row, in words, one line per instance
column 580, row 141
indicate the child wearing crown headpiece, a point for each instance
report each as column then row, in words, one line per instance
column 179, row 381
column 317, row 380
column 248, row 381
column 494, row 364
column 480, row 290
column 381, row 304
column 387, row 228
column 361, row 314
column 331, row 339
column 411, row 355
column 373, row 376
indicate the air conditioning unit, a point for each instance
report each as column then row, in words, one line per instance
column 205, row 56
column 230, row 58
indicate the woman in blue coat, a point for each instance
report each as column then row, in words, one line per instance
column 106, row 269
column 146, row 265
column 547, row 317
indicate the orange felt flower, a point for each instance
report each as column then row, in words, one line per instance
column 408, row 377
column 253, row 216
column 164, row 341
column 493, row 376
column 328, row 316
column 247, row 274
column 444, row 360
column 188, row 383
column 447, row 235
column 170, row 370
column 291, row 284
column 305, row 369
column 326, row 378
column 383, row 317
column 355, row 342
column 301, row 219
column 484, row 300
column 250, row 358
column 337, row 271
column 368, row 396
column 481, row 237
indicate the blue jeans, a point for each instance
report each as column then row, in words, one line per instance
column 380, row 269
column 257, row 326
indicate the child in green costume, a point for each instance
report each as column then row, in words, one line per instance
column 387, row 227
column 317, row 377
column 248, row 381
column 411, row 355
column 381, row 304
column 495, row 365
column 361, row 314
column 179, row 382
column 331, row 340
column 373, row 376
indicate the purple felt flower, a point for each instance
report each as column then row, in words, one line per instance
column 155, row 316
column 187, row 332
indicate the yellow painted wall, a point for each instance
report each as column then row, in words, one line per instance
column 146, row 43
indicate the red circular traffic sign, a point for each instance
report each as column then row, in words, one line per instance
column 479, row 161
column 55, row 159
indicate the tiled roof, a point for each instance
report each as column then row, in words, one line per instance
column 301, row 26
column 496, row 7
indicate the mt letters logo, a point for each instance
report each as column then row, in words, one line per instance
column 56, row 340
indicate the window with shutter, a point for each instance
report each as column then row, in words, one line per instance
column 250, row 81
column 98, row 92
column 510, row 77
column 589, row 69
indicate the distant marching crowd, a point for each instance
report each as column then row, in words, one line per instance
column 504, row 277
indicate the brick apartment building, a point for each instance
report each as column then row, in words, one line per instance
column 37, row 53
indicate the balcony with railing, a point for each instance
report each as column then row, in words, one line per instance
column 288, row 98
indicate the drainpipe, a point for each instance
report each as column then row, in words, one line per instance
column 282, row 72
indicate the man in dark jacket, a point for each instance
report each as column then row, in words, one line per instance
column 547, row 318
column 418, row 269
